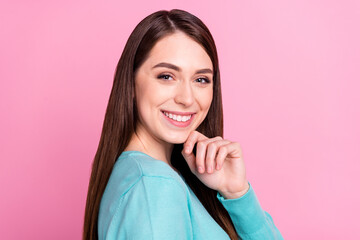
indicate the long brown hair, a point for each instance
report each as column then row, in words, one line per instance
column 121, row 114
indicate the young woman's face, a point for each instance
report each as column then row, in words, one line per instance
column 174, row 89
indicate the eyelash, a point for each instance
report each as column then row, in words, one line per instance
column 164, row 75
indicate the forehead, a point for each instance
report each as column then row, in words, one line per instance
column 181, row 50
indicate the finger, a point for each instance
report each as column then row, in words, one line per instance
column 220, row 158
column 194, row 137
column 233, row 149
column 190, row 159
column 201, row 152
column 200, row 155
column 212, row 149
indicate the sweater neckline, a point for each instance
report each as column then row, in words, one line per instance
column 136, row 151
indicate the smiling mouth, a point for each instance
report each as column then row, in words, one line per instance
column 178, row 117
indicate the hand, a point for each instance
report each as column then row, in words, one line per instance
column 218, row 164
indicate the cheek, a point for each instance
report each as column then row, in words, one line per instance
column 151, row 95
column 205, row 99
column 142, row 100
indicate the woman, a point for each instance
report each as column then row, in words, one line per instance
column 162, row 169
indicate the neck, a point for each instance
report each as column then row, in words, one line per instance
column 157, row 149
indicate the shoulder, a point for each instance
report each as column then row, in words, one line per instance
column 143, row 165
column 133, row 167
column 148, row 189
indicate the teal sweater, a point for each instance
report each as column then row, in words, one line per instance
column 146, row 199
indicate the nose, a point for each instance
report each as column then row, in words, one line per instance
column 184, row 94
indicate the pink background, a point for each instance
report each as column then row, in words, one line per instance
column 290, row 77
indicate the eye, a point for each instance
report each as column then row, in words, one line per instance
column 164, row 76
column 203, row 80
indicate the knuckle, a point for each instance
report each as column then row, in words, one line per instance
column 201, row 144
column 238, row 146
column 212, row 145
column 192, row 135
column 221, row 148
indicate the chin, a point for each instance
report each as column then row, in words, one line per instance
column 177, row 139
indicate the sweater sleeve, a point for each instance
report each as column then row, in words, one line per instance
column 154, row 208
column 250, row 221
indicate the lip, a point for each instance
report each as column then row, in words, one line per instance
column 176, row 123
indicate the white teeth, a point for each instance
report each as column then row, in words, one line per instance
column 178, row 118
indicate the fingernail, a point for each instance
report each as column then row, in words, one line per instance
column 200, row 169
column 218, row 166
column 209, row 169
column 187, row 150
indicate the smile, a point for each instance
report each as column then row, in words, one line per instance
column 179, row 119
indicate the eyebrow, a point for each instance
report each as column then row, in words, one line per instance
column 176, row 68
